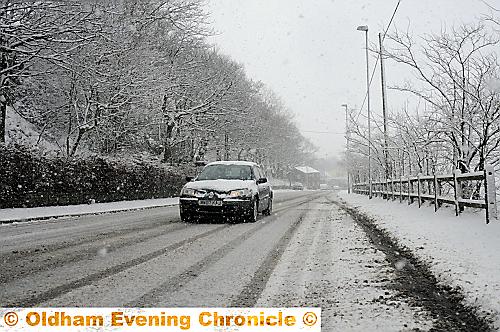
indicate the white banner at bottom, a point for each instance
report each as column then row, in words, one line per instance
column 160, row 319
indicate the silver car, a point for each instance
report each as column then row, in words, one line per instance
column 236, row 190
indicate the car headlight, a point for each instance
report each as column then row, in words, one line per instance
column 240, row 193
column 188, row 192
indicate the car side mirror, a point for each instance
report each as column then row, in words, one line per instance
column 189, row 178
column 262, row 180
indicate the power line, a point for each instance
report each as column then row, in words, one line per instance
column 490, row 6
column 378, row 58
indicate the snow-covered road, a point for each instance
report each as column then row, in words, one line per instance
column 309, row 252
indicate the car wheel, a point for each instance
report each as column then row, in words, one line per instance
column 269, row 209
column 252, row 215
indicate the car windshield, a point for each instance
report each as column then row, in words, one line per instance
column 227, row 172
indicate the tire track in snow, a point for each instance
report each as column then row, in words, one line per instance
column 88, row 238
column 88, row 280
column 176, row 282
column 30, row 262
column 251, row 292
column 416, row 282
column 67, row 287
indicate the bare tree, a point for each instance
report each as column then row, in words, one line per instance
column 142, row 77
column 452, row 70
column 45, row 32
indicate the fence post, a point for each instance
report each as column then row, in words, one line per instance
column 436, row 193
column 409, row 191
column 458, row 191
column 389, row 185
column 386, row 186
column 392, row 189
column 400, row 189
column 419, row 190
column 489, row 193
column 382, row 187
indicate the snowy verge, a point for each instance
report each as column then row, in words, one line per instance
column 18, row 214
column 461, row 251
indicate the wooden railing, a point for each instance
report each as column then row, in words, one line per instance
column 423, row 188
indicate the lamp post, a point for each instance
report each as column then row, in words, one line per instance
column 347, row 150
column 365, row 29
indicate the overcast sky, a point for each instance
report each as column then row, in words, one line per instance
column 310, row 54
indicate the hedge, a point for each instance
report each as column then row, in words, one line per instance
column 28, row 179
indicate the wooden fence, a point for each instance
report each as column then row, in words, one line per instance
column 431, row 188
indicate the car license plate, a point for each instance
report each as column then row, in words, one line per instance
column 210, row 203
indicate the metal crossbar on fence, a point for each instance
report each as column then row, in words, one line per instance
column 423, row 188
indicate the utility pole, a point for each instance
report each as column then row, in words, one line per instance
column 384, row 104
column 347, row 133
column 365, row 29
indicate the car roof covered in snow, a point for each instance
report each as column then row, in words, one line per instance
column 233, row 162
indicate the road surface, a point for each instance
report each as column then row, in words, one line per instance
column 309, row 252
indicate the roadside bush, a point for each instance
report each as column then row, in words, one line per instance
column 28, row 179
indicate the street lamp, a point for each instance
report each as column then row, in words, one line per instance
column 365, row 29
column 347, row 150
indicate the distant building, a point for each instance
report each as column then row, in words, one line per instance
column 308, row 176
